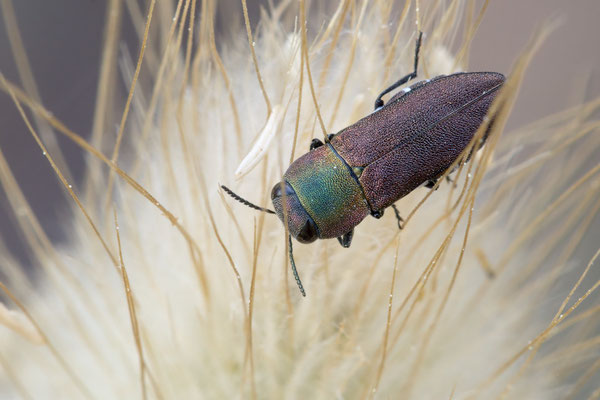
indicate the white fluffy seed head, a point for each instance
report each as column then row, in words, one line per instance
column 216, row 309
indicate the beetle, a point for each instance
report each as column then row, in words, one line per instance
column 409, row 141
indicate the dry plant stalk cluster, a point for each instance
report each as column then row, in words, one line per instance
column 167, row 289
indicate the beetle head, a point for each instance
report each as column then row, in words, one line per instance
column 286, row 203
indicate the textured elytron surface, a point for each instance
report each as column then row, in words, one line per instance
column 411, row 139
column 327, row 192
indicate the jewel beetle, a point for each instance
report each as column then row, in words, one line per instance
column 409, row 141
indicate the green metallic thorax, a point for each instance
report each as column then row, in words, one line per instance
column 327, row 191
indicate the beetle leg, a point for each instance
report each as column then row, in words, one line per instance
column 315, row 143
column 379, row 102
column 377, row 213
column 431, row 183
column 398, row 217
column 346, row 239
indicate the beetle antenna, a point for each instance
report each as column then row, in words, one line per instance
column 298, row 281
column 244, row 201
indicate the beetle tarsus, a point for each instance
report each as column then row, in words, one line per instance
column 346, row 239
column 398, row 217
column 379, row 102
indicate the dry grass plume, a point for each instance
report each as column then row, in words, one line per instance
column 168, row 289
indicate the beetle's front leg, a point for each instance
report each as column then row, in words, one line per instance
column 315, row 143
column 346, row 239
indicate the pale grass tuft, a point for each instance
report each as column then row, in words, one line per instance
column 488, row 292
column 19, row 323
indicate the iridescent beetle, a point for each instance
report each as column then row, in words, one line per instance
column 366, row 167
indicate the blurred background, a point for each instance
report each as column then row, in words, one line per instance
column 63, row 40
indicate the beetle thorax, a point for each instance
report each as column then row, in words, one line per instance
column 327, row 192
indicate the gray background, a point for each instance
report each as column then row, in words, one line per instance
column 63, row 39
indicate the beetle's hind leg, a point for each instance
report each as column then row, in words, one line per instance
column 398, row 217
column 346, row 239
column 379, row 102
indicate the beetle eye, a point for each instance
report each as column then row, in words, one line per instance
column 276, row 191
column 308, row 233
